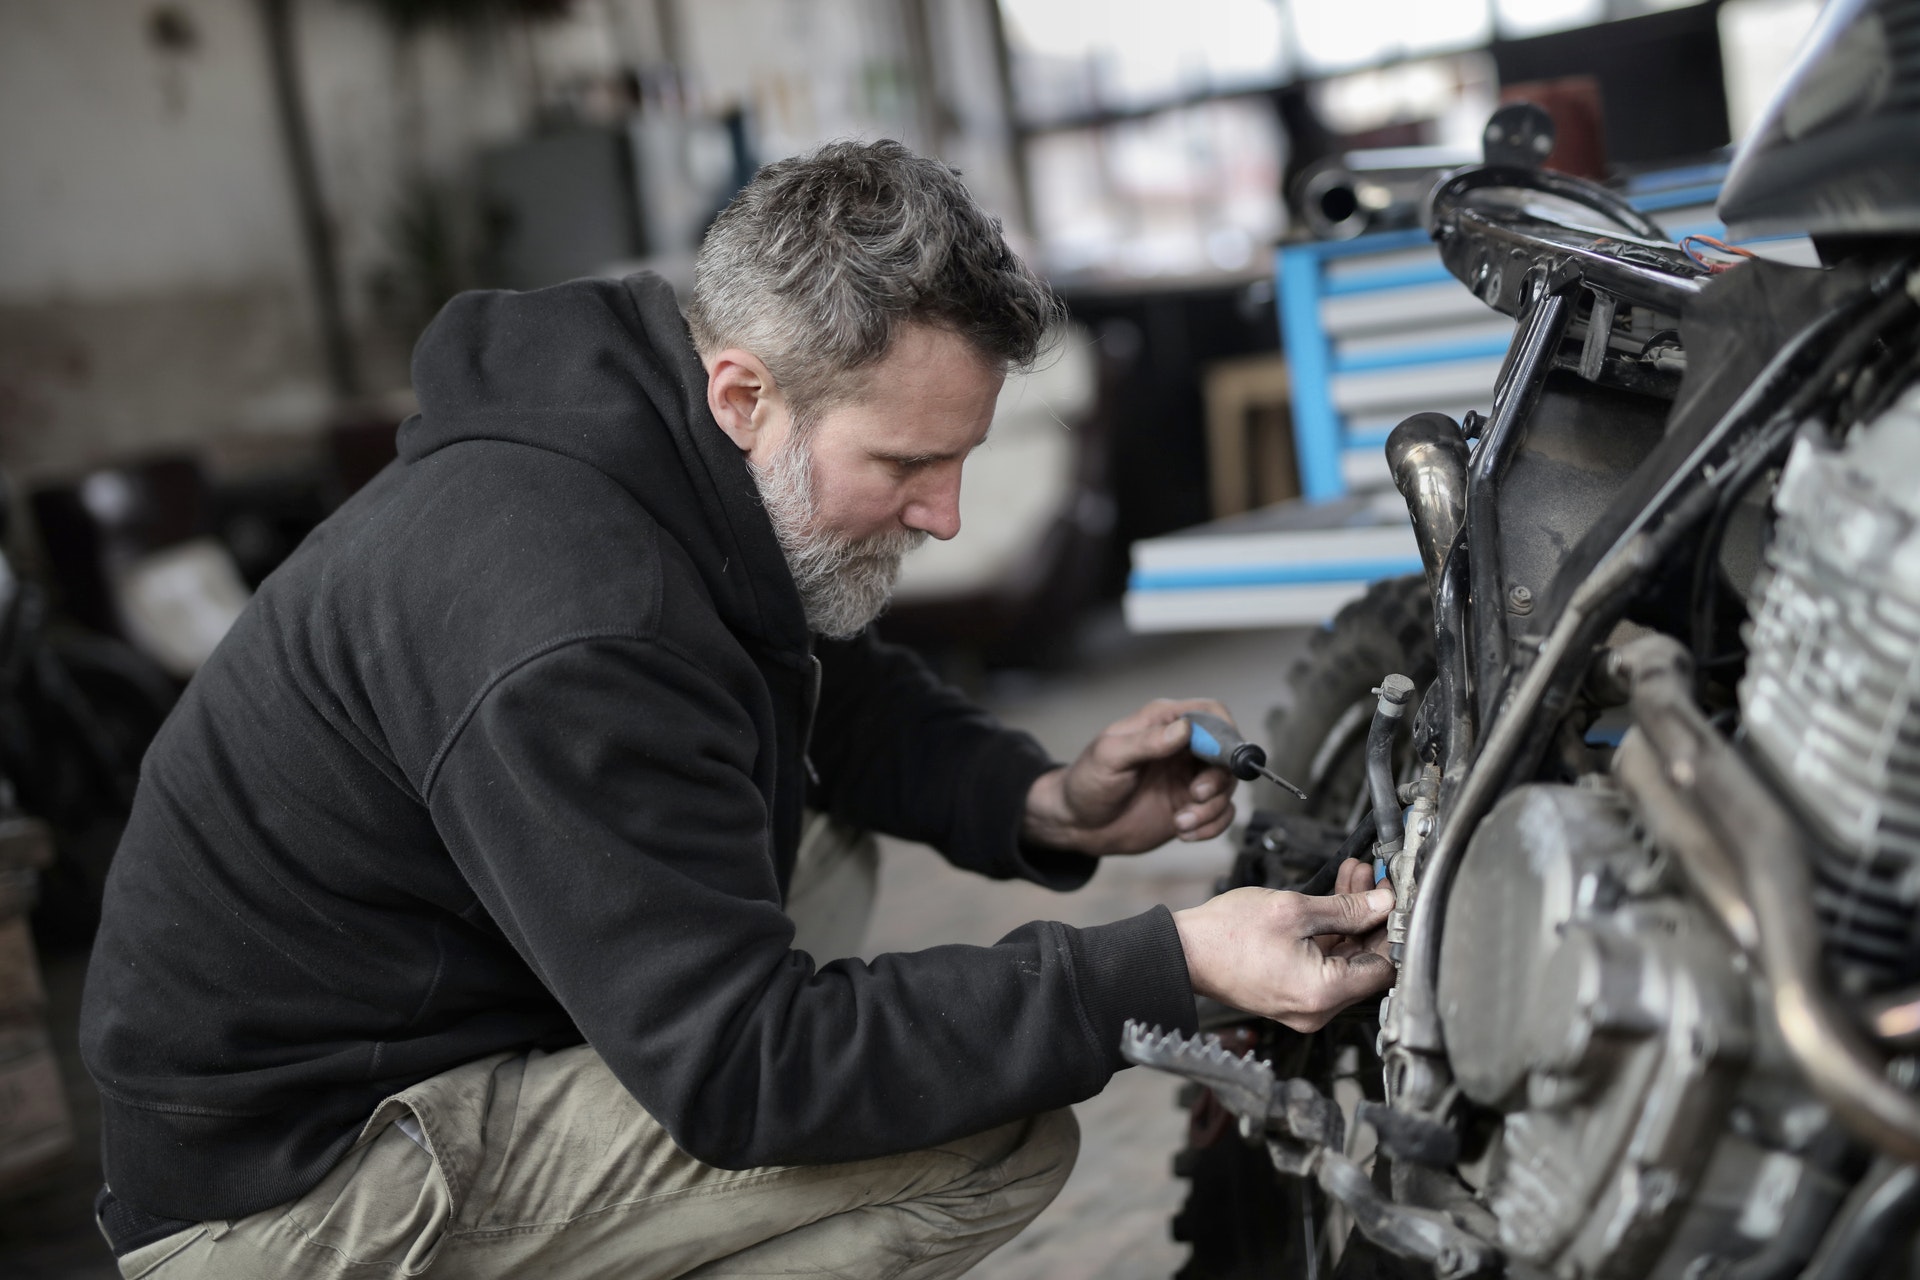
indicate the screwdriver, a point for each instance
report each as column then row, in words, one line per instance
column 1214, row 740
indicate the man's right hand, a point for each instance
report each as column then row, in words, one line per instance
column 1298, row 960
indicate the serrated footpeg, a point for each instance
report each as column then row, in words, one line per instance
column 1304, row 1132
column 1244, row 1085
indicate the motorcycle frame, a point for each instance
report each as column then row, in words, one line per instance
column 1559, row 261
column 1701, row 798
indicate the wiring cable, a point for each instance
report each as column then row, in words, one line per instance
column 1718, row 245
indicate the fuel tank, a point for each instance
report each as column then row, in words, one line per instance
column 1837, row 152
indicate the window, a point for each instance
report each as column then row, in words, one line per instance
column 1075, row 58
column 1180, row 192
column 1337, row 35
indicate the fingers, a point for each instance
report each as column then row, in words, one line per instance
column 1374, row 943
column 1355, row 876
column 1204, row 821
column 1343, row 980
column 1355, row 977
column 1262, row 950
column 1210, row 782
column 1352, row 967
column 1155, row 732
column 1205, row 825
column 1347, row 913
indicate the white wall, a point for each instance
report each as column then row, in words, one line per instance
column 982, row 144
column 154, row 292
column 132, row 171
column 831, row 69
column 387, row 111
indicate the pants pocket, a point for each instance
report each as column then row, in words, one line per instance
column 386, row 1203
column 148, row 1259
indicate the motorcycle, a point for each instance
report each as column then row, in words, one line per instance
column 1639, row 753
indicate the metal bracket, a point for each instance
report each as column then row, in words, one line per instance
column 1593, row 352
column 1406, row 1135
column 1423, row 1234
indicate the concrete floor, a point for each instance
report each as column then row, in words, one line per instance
column 1110, row 1221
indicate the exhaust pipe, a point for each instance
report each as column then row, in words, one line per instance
column 1696, row 771
column 1381, row 189
column 1428, row 456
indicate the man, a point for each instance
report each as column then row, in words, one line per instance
column 447, row 933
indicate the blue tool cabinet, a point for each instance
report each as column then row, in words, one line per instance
column 1375, row 329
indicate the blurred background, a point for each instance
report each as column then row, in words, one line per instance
column 224, row 222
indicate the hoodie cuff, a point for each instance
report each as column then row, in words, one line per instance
column 1133, row 969
column 1000, row 809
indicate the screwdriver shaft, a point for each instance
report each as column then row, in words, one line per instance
column 1277, row 780
column 1217, row 742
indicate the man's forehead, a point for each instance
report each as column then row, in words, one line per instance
column 934, row 360
column 932, row 397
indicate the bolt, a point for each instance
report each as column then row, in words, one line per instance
column 1396, row 689
column 1423, row 826
column 1519, row 600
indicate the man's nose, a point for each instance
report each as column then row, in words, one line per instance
column 937, row 509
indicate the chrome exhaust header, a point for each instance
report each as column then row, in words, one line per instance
column 1428, row 456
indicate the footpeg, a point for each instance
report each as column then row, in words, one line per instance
column 1304, row 1133
column 1244, row 1085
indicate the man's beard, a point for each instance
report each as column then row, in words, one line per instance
column 844, row 583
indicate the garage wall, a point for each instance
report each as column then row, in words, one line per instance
column 144, row 217
column 154, row 294
column 153, row 290
column 132, row 168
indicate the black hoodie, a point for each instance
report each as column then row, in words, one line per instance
column 511, row 753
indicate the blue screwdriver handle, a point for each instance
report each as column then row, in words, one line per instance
column 1212, row 739
column 1216, row 741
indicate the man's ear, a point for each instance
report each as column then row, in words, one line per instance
column 743, row 400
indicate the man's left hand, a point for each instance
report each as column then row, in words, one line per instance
column 1134, row 788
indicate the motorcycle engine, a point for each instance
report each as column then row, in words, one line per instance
column 1832, row 696
column 1610, row 1029
column 1647, row 1122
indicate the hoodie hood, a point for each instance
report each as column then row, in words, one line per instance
column 604, row 372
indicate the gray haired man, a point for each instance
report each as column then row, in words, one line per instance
column 450, row 931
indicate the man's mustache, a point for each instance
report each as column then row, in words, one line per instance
column 891, row 545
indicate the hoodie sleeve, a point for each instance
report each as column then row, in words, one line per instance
column 899, row 751
column 601, row 802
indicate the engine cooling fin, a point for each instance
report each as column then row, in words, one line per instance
column 1831, row 698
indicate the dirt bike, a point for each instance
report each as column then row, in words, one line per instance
column 1639, row 754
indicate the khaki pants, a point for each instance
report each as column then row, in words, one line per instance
column 543, row 1166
